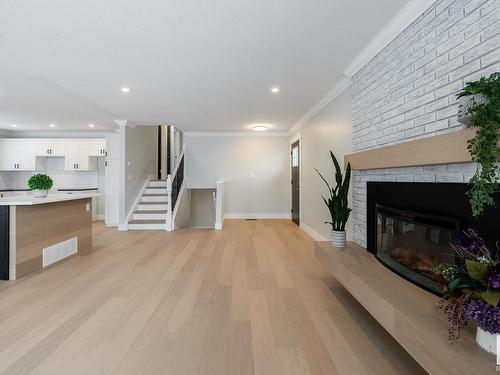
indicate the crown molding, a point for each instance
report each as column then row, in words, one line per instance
column 404, row 18
column 338, row 89
column 235, row 134
column 5, row 133
column 48, row 134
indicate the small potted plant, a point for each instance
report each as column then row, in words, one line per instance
column 472, row 290
column 40, row 184
column 337, row 203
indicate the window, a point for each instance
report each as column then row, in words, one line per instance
column 295, row 156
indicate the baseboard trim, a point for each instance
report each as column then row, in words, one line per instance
column 123, row 227
column 315, row 235
column 285, row 216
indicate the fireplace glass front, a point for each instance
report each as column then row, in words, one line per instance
column 414, row 244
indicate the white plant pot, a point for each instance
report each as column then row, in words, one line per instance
column 338, row 238
column 486, row 340
column 40, row 193
column 465, row 103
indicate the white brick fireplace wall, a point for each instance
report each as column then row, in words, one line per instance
column 408, row 90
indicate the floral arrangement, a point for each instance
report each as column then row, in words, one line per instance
column 471, row 287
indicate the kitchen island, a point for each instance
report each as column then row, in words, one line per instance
column 38, row 232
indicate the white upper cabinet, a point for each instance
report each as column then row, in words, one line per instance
column 30, row 154
column 17, row 155
column 97, row 147
column 78, row 156
column 113, row 146
column 50, row 147
column 9, row 154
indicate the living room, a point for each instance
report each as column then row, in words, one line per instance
column 318, row 186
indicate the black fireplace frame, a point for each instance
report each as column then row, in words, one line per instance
column 433, row 198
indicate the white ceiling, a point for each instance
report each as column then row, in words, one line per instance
column 199, row 65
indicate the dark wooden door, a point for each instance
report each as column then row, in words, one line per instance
column 295, row 160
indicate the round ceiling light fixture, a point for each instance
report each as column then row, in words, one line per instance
column 52, row 125
column 275, row 90
column 126, row 90
column 260, row 127
column 91, row 126
column 13, row 125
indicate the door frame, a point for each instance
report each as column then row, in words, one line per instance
column 291, row 141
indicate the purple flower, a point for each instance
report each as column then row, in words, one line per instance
column 486, row 316
column 470, row 241
column 494, row 278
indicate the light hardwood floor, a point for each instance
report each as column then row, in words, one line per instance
column 250, row 299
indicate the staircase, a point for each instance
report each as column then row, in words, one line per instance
column 151, row 210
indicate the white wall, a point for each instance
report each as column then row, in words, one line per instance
column 255, row 168
column 330, row 129
column 140, row 161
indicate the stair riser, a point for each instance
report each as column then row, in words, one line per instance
column 149, row 216
column 158, row 184
column 153, row 199
column 146, row 227
column 156, row 191
column 152, row 207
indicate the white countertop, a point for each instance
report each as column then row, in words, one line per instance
column 29, row 200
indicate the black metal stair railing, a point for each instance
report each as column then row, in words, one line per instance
column 177, row 182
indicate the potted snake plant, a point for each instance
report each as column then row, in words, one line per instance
column 337, row 203
column 40, row 184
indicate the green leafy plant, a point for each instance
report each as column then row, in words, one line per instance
column 40, row 182
column 337, row 202
column 484, row 149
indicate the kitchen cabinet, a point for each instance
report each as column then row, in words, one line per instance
column 97, row 147
column 18, row 155
column 77, row 157
column 30, row 154
column 50, row 147
column 112, row 180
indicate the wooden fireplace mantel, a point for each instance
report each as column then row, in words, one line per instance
column 406, row 311
column 446, row 148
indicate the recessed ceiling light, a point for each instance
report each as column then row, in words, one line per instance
column 52, row 126
column 275, row 90
column 91, row 126
column 14, row 125
column 260, row 127
column 125, row 90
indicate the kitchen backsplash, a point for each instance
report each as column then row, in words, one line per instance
column 55, row 169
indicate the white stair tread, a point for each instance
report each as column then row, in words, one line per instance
column 146, row 222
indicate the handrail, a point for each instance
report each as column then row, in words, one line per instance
column 181, row 156
column 174, row 185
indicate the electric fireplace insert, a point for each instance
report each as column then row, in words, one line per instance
column 414, row 244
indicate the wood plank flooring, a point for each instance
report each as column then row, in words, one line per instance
column 250, row 299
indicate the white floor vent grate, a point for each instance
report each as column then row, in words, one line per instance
column 59, row 251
